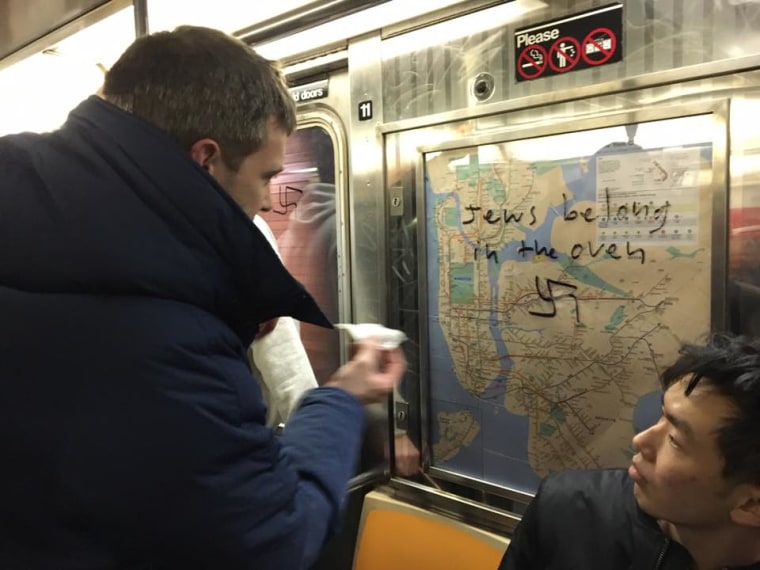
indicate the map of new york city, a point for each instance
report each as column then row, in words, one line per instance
column 558, row 293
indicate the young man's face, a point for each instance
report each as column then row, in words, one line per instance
column 249, row 185
column 678, row 467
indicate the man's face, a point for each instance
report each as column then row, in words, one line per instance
column 678, row 467
column 249, row 185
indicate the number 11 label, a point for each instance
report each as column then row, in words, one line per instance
column 365, row 110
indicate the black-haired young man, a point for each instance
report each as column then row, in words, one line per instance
column 691, row 496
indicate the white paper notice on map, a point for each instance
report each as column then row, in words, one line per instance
column 649, row 197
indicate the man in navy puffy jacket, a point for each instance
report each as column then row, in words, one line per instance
column 132, row 280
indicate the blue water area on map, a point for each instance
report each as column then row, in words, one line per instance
column 499, row 453
column 618, row 316
column 580, row 181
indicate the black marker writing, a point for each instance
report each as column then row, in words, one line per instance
column 504, row 216
column 573, row 214
column 637, row 209
column 284, row 200
column 490, row 253
column 551, row 297
column 537, row 249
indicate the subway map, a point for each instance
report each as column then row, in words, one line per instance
column 558, row 292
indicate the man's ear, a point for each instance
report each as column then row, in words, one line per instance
column 207, row 154
column 747, row 510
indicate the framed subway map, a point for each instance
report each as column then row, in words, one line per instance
column 563, row 272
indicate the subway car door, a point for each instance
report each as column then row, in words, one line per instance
column 308, row 217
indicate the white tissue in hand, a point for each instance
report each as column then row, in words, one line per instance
column 387, row 338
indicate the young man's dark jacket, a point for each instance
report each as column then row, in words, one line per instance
column 589, row 520
column 131, row 431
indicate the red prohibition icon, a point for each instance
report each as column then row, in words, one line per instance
column 564, row 54
column 601, row 44
column 532, row 62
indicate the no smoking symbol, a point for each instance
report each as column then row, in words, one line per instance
column 532, row 62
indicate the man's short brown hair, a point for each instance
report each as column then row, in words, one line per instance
column 197, row 83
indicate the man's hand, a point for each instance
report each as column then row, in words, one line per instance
column 406, row 455
column 372, row 372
